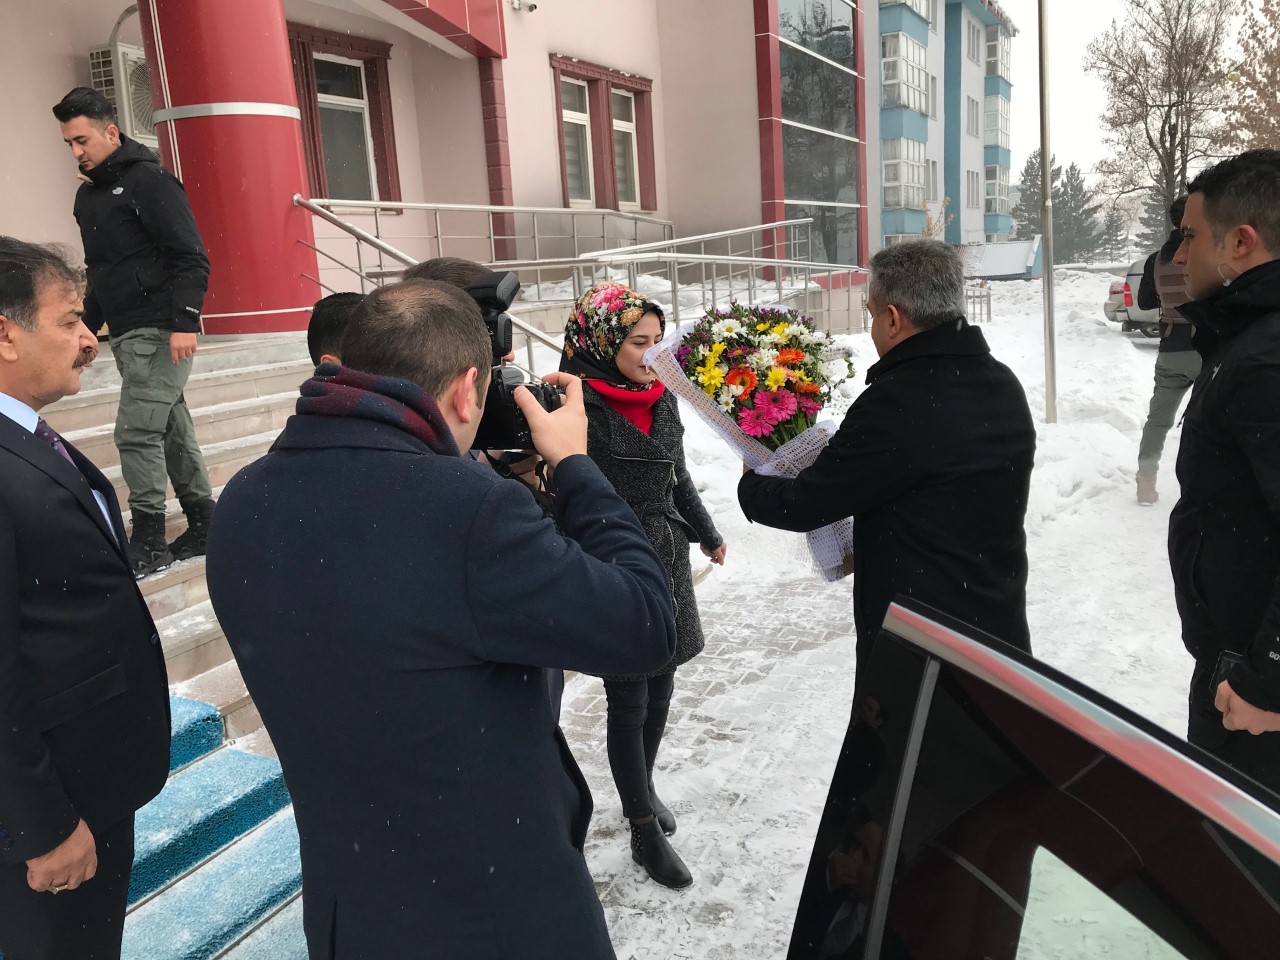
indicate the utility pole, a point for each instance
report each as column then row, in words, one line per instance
column 1046, row 239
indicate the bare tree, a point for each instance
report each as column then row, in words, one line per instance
column 1166, row 74
column 1255, row 120
column 935, row 227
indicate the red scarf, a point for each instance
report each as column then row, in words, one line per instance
column 635, row 405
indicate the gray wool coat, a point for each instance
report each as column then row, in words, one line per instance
column 649, row 473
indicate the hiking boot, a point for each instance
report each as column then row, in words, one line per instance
column 666, row 819
column 1147, row 489
column 650, row 849
column 191, row 542
column 148, row 553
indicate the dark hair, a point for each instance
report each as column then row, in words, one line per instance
column 328, row 318
column 1244, row 189
column 85, row 102
column 418, row 330
column 25, row 270
column 451, row 270
column 1177, row 210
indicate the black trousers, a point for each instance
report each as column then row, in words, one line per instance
column 637, row 719
column 82, row 924
column 1257, row 757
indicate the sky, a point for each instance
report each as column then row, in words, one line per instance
column 1076, row 99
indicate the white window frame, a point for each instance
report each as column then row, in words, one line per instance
column 629, row 128
column 933, row 14
column 933, row 181
column 904, row 81
column 997, row 189
column 933, row 97
column 903, row 169
column 973, row 122
column 974, row 40
column 360, row 106
column 583, row 120
column 999, row 52
column 972, row 190
column 997, row 125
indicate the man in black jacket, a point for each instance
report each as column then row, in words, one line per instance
column 84, row 707
column 933, row 460
column 1224, row 533
column 147, row 278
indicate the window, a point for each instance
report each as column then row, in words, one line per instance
column 972, row 117
column 933, row 97
column 997, row 189
column 972, row 189
column 974, row 47
column 344, row 95
column 933, row 15
column 933, row 181
column 997, row 126
column 921, row 7
column 904, row 80
column 998, row 44
column 904, row 173
column 824, row 27
column 606, row 137
column 997, row 238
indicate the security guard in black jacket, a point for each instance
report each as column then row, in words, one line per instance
column 147, row 278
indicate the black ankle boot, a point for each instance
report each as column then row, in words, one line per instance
column 191, row 542
column 666, row 819
column 650, row 849
column 147, row 550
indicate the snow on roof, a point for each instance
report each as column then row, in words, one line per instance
column 992, row 261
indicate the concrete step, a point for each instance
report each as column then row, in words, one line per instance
column 212, row 906
column 202, row 809
column 193, row 642
column 279, row 937
column 222, row 461
column 213, row 354
column 214, row 424
column 223, row 688
column 195, row 731
column 97, row 407
column 175, row 589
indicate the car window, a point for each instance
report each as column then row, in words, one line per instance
column 962, row 823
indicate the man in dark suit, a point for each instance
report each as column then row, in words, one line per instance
column 84, row 708
column 932, row 461
column 396, row 635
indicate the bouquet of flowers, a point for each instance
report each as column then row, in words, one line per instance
column 760, row 376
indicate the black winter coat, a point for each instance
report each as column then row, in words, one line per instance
column 649, row 473
column 933, row 463
column 396, row 646
column 1224, row 532
column 146, row 262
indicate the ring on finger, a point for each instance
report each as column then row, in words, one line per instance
column 57, row 888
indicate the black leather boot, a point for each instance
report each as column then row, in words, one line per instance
column 191, row 542
column 666, row 819
column 650, row 849
column 147, row 550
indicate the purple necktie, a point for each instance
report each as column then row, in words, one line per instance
column 47, row 434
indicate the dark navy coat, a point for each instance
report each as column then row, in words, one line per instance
column 393, row 612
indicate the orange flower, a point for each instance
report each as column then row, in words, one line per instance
column 786, row 357
column 808, row 388
column 741, row 377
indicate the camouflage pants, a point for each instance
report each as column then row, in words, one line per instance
column 154, row 432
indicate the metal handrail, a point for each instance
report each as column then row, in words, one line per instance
column 812, row 266
column 702, row 238
column 488, row 208
column 376, row 242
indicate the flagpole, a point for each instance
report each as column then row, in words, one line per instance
column 1046, row 225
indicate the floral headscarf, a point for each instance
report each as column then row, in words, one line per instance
column 599, row 324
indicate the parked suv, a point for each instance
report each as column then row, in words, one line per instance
column 1122, row 307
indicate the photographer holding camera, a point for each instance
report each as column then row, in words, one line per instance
column 395, row 637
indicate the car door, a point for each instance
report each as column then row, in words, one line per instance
column 986, row 807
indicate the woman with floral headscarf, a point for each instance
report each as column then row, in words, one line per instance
column 635, row 436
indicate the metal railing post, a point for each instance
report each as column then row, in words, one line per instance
column 439, row 235
column 537, row 251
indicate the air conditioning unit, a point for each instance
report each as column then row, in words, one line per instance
column 120, row 73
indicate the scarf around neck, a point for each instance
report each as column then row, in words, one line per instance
column 635, row 405
column 337, row 391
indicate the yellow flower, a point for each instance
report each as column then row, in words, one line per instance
column 716, row 350
column 777, row 377
column 780, row 328
column 711, row 378
column 762, row 327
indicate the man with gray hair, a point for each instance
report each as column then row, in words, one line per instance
column 932, row 462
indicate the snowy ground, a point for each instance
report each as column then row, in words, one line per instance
column 757, row 718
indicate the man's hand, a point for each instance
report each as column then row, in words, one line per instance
column 716, row 555
column 181, row 346
column 67, row 865
column 1238, row 714
column 560, row 433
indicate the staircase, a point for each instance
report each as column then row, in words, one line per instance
column 216, row 870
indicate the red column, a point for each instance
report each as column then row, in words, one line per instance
column 220, row 70
column 493, row 101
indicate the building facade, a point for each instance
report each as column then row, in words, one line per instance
column 944, row 120
column 712, row 116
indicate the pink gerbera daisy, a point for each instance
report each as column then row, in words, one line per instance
column 774, row 406
column 809, row 407
column 753, row 423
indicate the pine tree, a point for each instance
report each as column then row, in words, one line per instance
column 1076, row 236
column 1154, row 223
column 1255, row 116
column 1115, row 235
column 1029, row 213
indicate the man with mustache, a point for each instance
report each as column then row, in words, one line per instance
column 147, row 278
column 84, row 707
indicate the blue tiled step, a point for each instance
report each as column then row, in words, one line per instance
column 280, row 938
column 196, row 729
column 210, row 907
column 201, row 809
